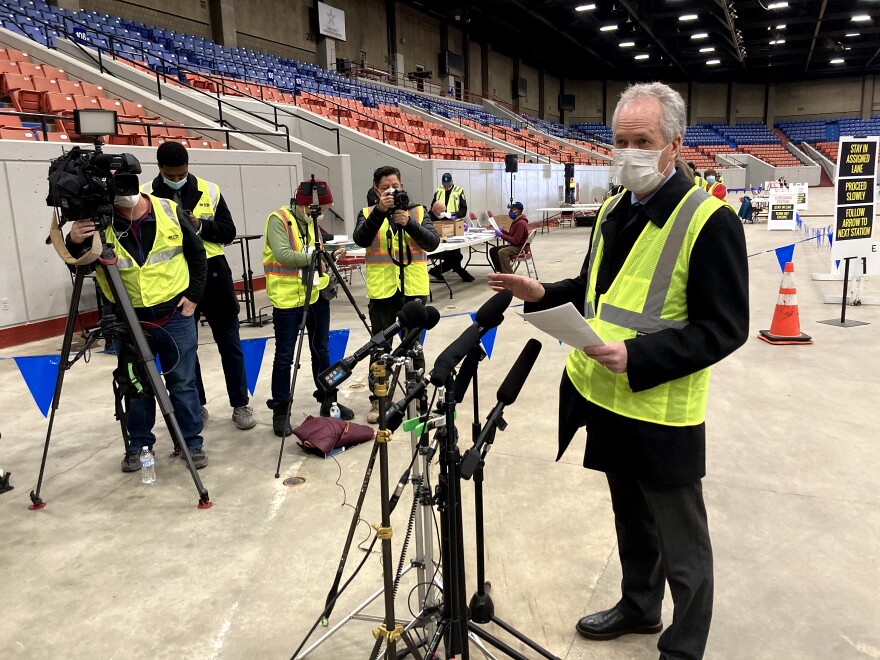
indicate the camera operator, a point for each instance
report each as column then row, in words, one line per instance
column 214, row 223
column 161, row 261
column 380, row 229
column 289, row 243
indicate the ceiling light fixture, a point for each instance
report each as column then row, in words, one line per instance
column 699, row 35
column 713, row 62
column 688, row 17
column 608, row 28
column 642, row 56
column 589, row 7
column 708, row 49
column 781, row 26
column 626, row 44
column 837, row 60
column 853, row 34
column 861, row 18
column 777, row 42
column 777, row 5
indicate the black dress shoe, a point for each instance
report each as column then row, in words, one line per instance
column 613, row 623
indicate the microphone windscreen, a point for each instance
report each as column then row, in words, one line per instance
column 433, row 317
column 491, row 313
column 453, row 354
column 516, row 377
column 412, row 315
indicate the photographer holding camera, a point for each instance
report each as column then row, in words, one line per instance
column 398, row 236
column 162, row 263
column 287, row 254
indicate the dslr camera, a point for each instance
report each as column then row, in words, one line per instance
column 401, row 200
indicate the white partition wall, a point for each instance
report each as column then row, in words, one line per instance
column 35, row 284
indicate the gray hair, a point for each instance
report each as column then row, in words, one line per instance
column 673, row 113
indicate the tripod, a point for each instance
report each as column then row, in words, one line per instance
column 108, row 262
column 319, row 256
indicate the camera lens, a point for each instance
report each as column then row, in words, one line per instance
column 401, row 199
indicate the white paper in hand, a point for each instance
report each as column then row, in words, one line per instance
column 494, row 224
column 566, row 324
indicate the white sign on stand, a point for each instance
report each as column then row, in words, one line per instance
column 802, row 196
column 781, row 212
column 855, row 193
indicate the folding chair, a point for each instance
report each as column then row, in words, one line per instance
column 525, row 255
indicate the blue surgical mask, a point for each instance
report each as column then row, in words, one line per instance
column 511, row 215
column 710, row 179
column 175, row 185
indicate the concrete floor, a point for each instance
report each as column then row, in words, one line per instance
column 116, row 569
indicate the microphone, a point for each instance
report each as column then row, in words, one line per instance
column 467, row 371
column 433, row 317
column 506, row 395
column 412, row 315
column 489, row 316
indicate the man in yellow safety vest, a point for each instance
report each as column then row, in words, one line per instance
column 397, row 241
column 665, row 286
column 161, row 261
column 219, row 304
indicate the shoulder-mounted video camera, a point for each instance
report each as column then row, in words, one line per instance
column 83, row 183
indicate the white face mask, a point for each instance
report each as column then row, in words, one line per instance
column 127, row 201
column 638, row 169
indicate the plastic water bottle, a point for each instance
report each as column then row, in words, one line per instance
column 148, row 466
column 335, row 412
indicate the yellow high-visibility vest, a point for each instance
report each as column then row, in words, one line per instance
column 649, row 294
column 205, row 209
column 383, row 275
column 284, row 284
column 454, row 198
column 164, row 273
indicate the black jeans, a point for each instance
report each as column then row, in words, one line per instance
column 663, row 536
column 286, row 323
column 220, row 308
column 383, row 314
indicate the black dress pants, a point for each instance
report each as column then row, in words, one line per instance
column 663, row 536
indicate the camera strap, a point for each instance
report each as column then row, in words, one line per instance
column 57, row 240
column 389, row 236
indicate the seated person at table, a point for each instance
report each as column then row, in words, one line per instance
column 501, row 255
column 715, row 187
column 448, row 260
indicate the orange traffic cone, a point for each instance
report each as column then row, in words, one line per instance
column 785, row 328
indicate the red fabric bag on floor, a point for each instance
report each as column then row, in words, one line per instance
column 327, row 436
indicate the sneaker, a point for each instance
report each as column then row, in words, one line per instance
column 345, row 412
column 205, row 414
column 131, row 462
column 465, row 276
column 200, row 460
column 281, row 422
column 373, row 415
column 243, row 417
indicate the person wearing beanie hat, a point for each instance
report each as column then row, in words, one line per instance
column 287, row 253
column 516, row 236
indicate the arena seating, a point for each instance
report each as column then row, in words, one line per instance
column 242, row 71
column 824, row 133
column 36, row 89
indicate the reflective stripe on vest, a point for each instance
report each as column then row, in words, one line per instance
column 206, row 208
column 648, row 295
column 454, row 197
column 383, row 274
column 164, row 273
column 284, row 284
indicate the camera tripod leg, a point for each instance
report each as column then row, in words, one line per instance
column 64, row 363
column 331, row 264
column 120, row 413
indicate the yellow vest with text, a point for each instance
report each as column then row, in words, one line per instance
column 383, row 275
column 205, row 208
column 284, row 284
column 165, row 272
column 454, row 197
column 648, row 295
